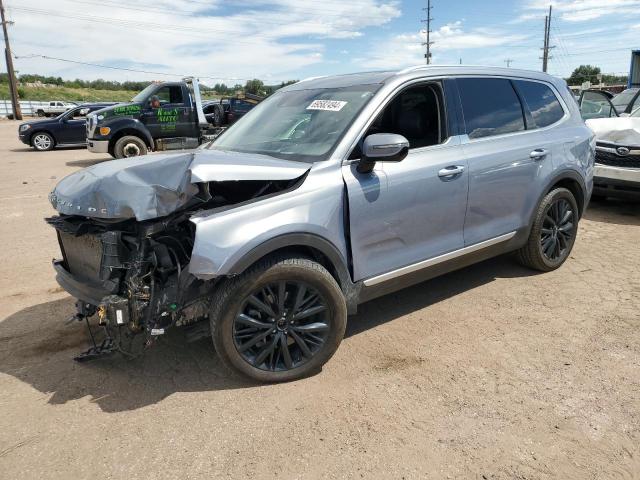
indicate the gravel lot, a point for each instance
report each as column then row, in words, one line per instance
column 492, row 372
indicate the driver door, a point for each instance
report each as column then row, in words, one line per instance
column 406, row 212
column 74, row 127
column 595, row 104
column 174, row 116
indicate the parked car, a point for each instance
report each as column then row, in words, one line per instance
column 331, row 192
column 67, row 129
column 617, row 169
column 54, row 108
column 627, row 101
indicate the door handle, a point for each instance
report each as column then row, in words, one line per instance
column 448, row 173
column 539, row 153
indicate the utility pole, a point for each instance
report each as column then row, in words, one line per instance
column 547, row 47
column 428, row 21
column 509, row 61
column 13, row 84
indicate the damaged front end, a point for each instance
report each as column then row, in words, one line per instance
column 133, row 272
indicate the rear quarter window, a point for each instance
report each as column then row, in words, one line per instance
column 541, row 101
column 490, row 107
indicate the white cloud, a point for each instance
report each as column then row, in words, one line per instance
column 584, row 10
column 268, row 39
column 407, row 49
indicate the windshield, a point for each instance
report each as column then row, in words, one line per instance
column 303, row 125
column 142, row 96
column 623, row 98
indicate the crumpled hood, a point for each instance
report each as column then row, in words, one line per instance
column 156, row 185
column 619, row 130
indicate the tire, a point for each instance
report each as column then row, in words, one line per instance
column 42, row 141
column 252, row 341
column 41, row 113
column 553, row 232
column 129, row 146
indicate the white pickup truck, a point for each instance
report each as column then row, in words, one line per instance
column 54, row 108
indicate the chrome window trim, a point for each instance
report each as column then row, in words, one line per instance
column 369, row 282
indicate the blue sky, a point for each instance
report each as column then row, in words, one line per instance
column 276, row 40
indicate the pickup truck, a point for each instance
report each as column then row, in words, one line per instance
column 164, row 116
column 53, row 109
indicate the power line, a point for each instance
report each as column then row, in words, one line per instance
column 428, row 21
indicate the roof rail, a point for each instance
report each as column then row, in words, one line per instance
column 311, row 78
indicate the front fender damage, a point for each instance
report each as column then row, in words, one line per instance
column 125, row 232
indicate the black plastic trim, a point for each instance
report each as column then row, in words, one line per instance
column 81, row 290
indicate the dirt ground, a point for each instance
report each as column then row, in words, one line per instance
column 491, row 372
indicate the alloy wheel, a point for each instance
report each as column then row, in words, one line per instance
column 42, row 142
column 558, row 229
column 281, row 325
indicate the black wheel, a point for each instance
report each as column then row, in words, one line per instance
column 281, row 320
column 553, row 233
column 129, row 146
column 42, row 141
column 217, row 116
column 41, row 113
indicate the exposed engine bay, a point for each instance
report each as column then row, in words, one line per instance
column 134, row 274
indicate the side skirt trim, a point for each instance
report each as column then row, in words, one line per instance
column 436, row 260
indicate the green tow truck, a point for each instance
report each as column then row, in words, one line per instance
column 163, row 116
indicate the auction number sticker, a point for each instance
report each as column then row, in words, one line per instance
column 327, row 105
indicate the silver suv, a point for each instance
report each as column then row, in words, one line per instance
column 333, row 191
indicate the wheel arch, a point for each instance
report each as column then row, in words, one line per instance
column 43, row 130
column 572, row 181
column 144, row 135
column 307, row 245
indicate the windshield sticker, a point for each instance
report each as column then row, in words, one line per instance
column 327, row 105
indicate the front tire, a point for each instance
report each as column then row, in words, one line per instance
column 280, row 320
column 553, row 232
column 129, row 146
column 42, row 141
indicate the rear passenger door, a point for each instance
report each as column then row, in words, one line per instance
column 509, row 151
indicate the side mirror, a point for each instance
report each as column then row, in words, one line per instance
column 382, row 147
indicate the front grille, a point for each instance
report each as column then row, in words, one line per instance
column 83, row 255
column 614, row 160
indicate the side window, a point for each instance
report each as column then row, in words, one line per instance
column 417, row 113
column 490, row 106
column 542, row 102
column 170, row 94
column 594, row 104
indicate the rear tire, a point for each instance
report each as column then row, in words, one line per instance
column 280, row 320
column 41, row 113
column 42, row 141
column 129, row 146
column 553, row 232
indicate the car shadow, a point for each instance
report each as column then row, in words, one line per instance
column 37, row 347
column 87, row 162
column 615, row 211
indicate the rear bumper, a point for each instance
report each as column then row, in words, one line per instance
column 88, row 293
column 616, row 181
column 98, row 146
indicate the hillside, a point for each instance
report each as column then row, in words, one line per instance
column 72, row 94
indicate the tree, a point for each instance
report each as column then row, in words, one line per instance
column 584, row 73
column 255, row 87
